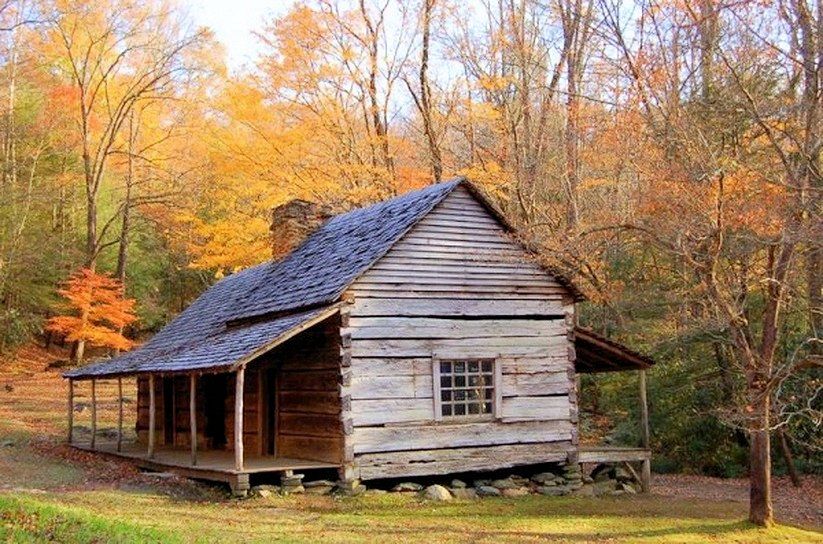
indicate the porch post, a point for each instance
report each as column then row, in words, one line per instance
column 93, row 413
column 71, row 411
column 646, row 474
column 151, row 416
column 193, row 417
column 238, row 419
column 119, row 414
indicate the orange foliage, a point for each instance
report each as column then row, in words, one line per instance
column 98, row 311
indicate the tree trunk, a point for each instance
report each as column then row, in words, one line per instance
column 760, row 466
column 788, row 458
column 425, row 95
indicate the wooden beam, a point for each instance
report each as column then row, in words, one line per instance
column 238, row 419
column 646, row 469
column 152, row 408
column 71, row 411
column 93, row 413
column 193, row 417
column 644, row 412
column 119, row 414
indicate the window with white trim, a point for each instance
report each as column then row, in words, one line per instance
column 465, row 389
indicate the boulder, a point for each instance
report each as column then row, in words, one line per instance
column 351, row 487
column 319, row 487
column 407, row 487
column 263, row 491
column 464, row 493
column 478, row 483
column 519, row 480
column 553, row 491
column 436, row 493
column 627, row 487
column 588, row 480
column 458, row 484
column 487, row 491
column 505, row 483
column 544, row 477
column 515, row 492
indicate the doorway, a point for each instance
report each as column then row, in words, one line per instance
column 268, row 394
column 215, row 392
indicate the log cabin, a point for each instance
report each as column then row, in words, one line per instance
column 413, row 337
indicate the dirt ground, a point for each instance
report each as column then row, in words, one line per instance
column 802, row 506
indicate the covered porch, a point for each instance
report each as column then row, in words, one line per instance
column 598, row 354
column 275, row 411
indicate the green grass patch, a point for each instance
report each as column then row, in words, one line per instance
column 25, row 519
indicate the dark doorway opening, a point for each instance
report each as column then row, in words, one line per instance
column 268, row 393
column 215, row 392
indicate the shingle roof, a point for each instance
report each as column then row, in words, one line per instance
column 323, row 266
column 314, row 275
column 219, row 350
column 597, row 353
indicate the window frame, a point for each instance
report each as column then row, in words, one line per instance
column 497, row 391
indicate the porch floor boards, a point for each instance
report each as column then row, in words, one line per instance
column 209, row 461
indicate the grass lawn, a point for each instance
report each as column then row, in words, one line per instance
column 122, row 516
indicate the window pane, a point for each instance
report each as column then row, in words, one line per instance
column 466, row 388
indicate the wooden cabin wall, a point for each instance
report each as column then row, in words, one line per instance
column 251, row 412
column 456, row 287
column 308, row 374
column 182, row 435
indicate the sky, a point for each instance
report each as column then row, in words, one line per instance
column 233, row 21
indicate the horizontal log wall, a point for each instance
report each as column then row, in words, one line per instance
column 457, row 287
column 308, row 376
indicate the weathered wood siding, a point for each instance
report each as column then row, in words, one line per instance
column 308, row 376
column 457, row 287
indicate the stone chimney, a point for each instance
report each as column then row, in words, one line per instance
column 292, row 222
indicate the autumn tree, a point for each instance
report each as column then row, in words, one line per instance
column 97, row 312
column 732, row 185
column 115, row 56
